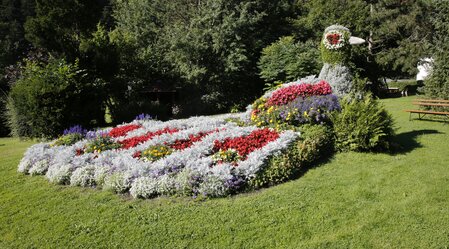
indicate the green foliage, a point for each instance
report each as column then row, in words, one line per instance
column 400, row 32
column 359, row 84
column 13, row 46
column 354, row 200
column 156, row 152
column 314, row 143
column 48, row 98
column 101, row 143
column 285, row 60
column 362, row 125
column 339, row 56
column 236, row 121
column 438, row 84
column 210, row 48
column 226, row 156
column 410, row 86
column 316, row 15
column 68, row 139
column 236, row 108
column 59, row 26
column 13, row 14
column 4, row 130
column 271, row 86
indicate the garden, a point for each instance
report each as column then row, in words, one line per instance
column 353, row 199
column 140, row 129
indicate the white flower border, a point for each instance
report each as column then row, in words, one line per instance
column 60, row 164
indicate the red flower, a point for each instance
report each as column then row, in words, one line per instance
column 287, row 94
column 137, row 154
column 123, row 130
column 183, row 144
column 134, row 141
column 247, row 144
column 333, row 38
column 79, row 152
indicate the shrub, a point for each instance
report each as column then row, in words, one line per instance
column 362, row 125
column 50, row 97
column 314, row 143
column 286, row 60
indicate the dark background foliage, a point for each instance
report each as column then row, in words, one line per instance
column 183, row 57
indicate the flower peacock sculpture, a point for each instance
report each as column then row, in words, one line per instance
column 310, row 99
column 335, row 52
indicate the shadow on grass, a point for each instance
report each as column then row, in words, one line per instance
column 406, row 141
column 316, row 164
column 440, row 120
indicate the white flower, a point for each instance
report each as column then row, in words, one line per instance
column 334, row 40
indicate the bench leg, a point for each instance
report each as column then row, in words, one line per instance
column 419, row 115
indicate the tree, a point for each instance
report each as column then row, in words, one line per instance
column 286, row 60
column 210, row 48
column 438, row 84
column 60, row 25
column 13, row 45
column 401, row 34
column 398, row 32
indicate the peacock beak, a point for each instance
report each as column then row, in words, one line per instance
column 356, row 40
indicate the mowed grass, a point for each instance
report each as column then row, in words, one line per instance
column 355, row 200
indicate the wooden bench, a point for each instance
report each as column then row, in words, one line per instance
column 432, row 100
column 430, row 103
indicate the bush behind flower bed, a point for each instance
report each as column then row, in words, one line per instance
column 362, row 125
column 50, row 97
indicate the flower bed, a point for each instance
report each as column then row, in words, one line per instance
column 123, row 130
column 205, row 156
column 308, row 100
column 148, row 158
column 287, row 94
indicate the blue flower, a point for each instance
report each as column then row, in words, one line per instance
column 77, row 129
column 143, row 116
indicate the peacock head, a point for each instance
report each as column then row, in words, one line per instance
column 335, row 43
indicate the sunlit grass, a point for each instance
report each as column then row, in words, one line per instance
column 356, row 200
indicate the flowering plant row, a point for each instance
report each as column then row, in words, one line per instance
column 311, row 110
column 308, row 100
column 180, row 157
column 287, row 94
column 123, row 130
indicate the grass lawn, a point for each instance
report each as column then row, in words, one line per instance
column 355, row 200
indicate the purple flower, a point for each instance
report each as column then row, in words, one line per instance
column 77, row 129
column 143, row 116
column 313, row 109
column 235, row 183
column 95, row 134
